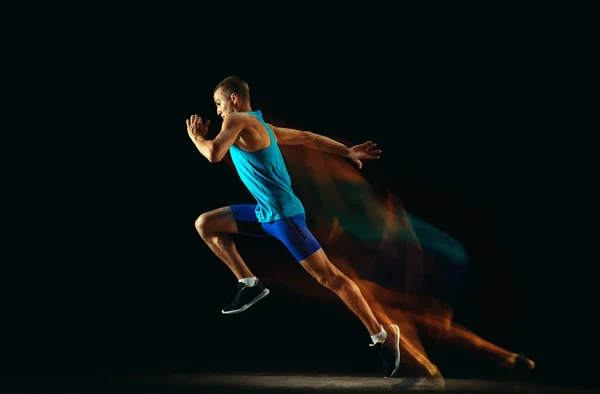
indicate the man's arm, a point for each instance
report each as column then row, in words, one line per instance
column 356, row 153
column 214, row 150
column 286, row 136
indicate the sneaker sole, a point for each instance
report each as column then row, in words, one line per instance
column 259, row 297
column 397, row 346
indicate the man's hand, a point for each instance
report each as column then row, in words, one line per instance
column 195, row 127
column 364, row 151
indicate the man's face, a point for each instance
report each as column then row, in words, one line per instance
column 225, row 104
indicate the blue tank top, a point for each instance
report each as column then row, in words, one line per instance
column 265, row 175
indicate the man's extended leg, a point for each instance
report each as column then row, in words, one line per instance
column 292, row 231
column 215, row 228
column 387, row 340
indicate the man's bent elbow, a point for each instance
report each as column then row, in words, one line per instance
column 211, row 154
column 215, row 157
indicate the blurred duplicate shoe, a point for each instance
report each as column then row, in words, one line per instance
column 522, row 365
column 519, row 367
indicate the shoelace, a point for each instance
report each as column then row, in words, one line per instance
column 236, row 300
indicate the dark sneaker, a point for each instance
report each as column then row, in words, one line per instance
column 389, row 351
column 246, row 297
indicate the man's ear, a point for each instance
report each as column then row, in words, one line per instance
column 234, row 97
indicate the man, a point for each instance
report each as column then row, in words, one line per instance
column 253, row 146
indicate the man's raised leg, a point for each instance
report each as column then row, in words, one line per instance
column 215, row 228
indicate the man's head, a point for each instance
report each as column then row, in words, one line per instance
column 231, row 95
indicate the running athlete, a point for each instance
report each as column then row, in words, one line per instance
column 253, row 145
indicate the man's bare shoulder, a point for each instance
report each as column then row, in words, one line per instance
column 238, row 117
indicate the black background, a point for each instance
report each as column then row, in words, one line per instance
column 108, row 185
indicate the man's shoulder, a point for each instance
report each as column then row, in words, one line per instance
column 236, row 116
column 242, row 117
column 238, row 120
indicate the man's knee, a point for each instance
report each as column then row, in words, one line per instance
column 202, row 224
column 215, row 222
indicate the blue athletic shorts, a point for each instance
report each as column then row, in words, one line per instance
column 291, row 231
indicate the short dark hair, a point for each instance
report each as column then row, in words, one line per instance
column 234, row 84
